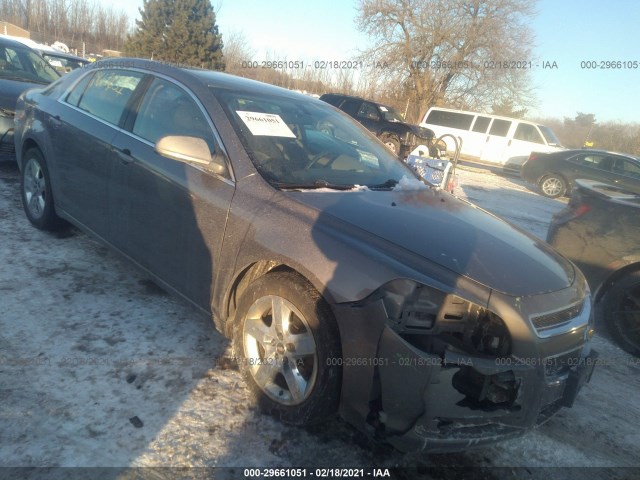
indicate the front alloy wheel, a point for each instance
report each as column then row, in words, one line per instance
column 287, row 345
column 281, row 350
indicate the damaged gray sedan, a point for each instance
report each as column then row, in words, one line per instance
column 347, row 285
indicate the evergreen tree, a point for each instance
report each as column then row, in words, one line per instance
column 178, row 31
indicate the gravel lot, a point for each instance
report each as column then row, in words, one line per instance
column 100, row 368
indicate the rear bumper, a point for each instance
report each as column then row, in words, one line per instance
column 417, row 401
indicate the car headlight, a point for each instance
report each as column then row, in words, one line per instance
column 431, row 319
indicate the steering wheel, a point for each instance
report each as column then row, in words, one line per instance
column 331, row 156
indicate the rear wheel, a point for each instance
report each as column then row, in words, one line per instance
column 391, row 142
column 553, row 186
column 287, row 345
column 35, row 188
column 622, row 313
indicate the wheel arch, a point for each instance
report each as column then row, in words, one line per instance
column 249, row 274
column 27, row 144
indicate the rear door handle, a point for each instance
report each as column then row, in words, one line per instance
column 55, row 121
column 125, row 155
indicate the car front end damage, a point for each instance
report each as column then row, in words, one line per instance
column 437, row 373
column 414, row 137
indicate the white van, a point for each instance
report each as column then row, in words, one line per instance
column 491, row 138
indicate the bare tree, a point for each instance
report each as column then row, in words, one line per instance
column 464, row 53
column 237, row 50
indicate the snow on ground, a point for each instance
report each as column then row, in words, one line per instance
column 99, row 367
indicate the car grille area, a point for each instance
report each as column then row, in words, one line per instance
column 557, row 318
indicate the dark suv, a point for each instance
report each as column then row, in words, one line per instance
column 385, row 123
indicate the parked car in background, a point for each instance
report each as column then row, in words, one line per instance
column 555, row 173
column 345, row 282
column 63, row 62
column 490, row 138
column 21, row 68
column 385, row 123
column 600, row 232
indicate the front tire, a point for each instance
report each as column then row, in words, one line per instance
column 622, row 313
column 553, row 186
column 287, row 345
column 35, row 190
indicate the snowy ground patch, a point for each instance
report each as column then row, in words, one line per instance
column 99, row 367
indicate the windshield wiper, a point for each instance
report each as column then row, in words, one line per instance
column 392, row 182
column 311, row 186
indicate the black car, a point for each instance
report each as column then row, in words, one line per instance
column 555, row 173
column 347, row 284
column 385, row 123
column 21, row 68
column 600, row 232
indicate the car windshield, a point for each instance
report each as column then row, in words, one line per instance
column 301, row 143
column 391, row 115
column 17, row 63
column 549, row 136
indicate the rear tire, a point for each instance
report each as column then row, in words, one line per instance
column 553, row 186
column 288, row 349
column 622, row 313
column 35, row 190
column 391, row 142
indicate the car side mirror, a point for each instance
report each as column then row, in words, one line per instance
column 189, row 150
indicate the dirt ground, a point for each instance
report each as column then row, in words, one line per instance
column 101, row 368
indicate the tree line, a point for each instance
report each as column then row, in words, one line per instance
column 69, row 21
column 422, row 53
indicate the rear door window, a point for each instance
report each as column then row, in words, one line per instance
column 500, row 128
column 627, row 168
column 601, row 162
column 108, row 93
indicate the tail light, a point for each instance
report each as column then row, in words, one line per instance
column 580, row 210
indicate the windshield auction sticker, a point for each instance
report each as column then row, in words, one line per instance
column 265, row 124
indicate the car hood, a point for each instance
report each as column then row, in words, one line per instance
column 10, row 90
column 421, row 132
column 451, row 233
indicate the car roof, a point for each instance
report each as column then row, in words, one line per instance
column 9, row 42
column 598, row 151
column 70, row 56
column 359, row 98
column 201, row 76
